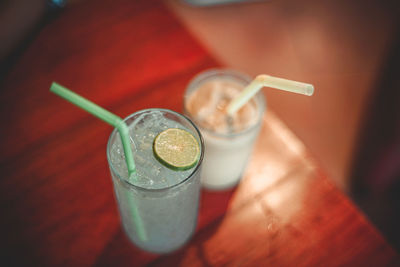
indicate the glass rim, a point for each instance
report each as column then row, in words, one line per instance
column 131, row 185
column 260, row 99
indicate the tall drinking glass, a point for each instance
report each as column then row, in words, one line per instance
column 160, row 201
column 228, row 143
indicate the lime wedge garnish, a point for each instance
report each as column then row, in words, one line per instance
column 177, row 149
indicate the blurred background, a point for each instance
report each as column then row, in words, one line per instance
column 349, row 50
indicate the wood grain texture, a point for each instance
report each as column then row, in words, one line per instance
column 56, row 194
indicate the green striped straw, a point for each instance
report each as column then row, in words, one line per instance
column 123, row 130
column 102, row 114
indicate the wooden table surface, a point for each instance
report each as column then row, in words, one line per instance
column 56, row 194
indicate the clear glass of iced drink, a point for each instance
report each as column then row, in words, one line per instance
column 164, row 201
column 228, row 143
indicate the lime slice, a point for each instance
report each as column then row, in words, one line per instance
column 177, row 149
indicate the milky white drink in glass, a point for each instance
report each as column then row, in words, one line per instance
column 228, row 145
column 164, row 201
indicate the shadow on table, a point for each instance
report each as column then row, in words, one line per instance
column 213, row 206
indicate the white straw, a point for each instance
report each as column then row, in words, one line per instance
column 269, row 81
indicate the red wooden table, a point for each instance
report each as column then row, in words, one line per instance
column 56, row 195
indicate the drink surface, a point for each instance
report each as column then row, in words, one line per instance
column 158, row 221
column 228, row 142
column 207, row 106
column 151, row 174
